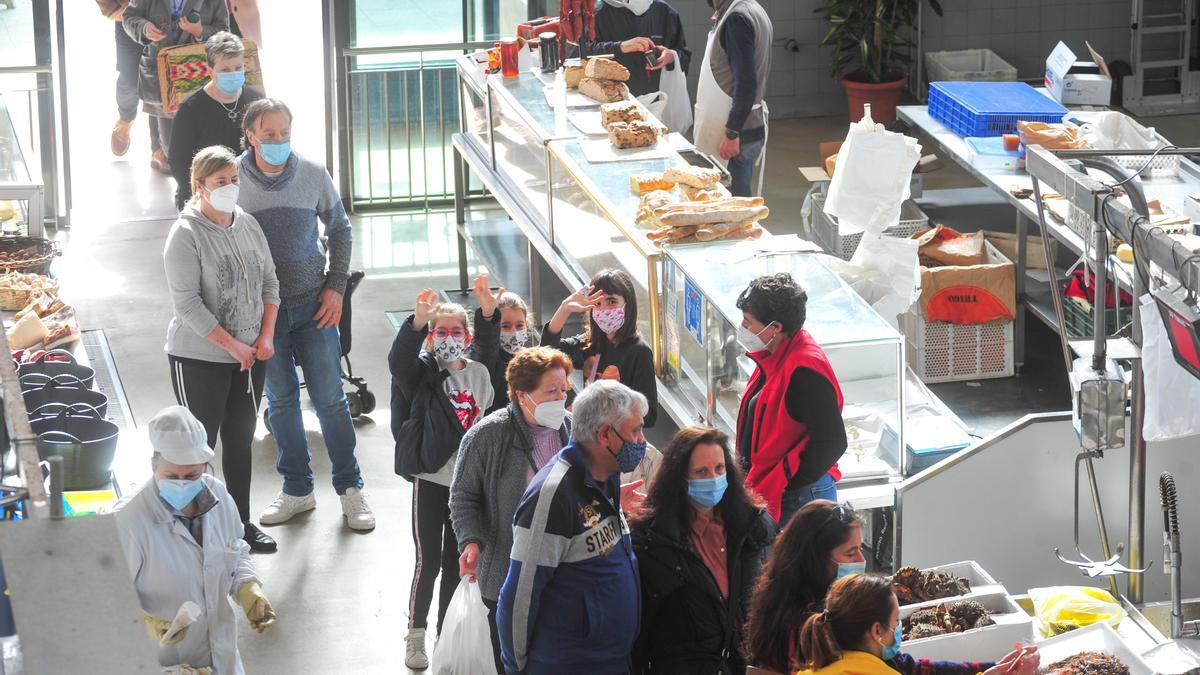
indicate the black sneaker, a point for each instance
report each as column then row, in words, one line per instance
column 259, row 541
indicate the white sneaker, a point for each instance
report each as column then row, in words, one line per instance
column 359, row 517
column 414, row 652
column 286, row 506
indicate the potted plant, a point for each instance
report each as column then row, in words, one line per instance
column 872, row 48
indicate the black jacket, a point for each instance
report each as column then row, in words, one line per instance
column 424, row 425
column 633, row 359
column 660, row 23
column 687, row 626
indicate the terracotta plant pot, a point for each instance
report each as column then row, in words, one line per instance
column 883, row 97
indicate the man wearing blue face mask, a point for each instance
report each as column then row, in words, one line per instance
column 182, row 538
column 213, row 114
column 572, row 550
column 700, row 541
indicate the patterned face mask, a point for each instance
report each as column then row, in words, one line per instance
column 449, row 349
column 609, row 320
column 515, row 341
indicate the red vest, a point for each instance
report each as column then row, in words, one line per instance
column 778, row 441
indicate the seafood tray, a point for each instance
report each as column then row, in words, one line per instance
column 1098, row 637
column 981, row 582
column 989, row 643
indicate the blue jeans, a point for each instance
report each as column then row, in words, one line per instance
column 741, row 167
column 794, row 498
column 318, row 352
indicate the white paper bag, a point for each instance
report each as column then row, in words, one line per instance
column 871, row 179
column 465, row 644
column 1171, row 391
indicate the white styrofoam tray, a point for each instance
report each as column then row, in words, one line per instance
column 1098, row 637
column 981, row 582
column 989, row 643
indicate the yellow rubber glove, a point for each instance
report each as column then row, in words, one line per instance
column 258, row 609
column 157, row 628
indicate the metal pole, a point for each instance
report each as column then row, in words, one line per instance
column 1137, row 452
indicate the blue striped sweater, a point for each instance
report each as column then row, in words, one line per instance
column 572, row 599
column 287, row 207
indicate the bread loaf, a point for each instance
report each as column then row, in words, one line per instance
column 716, row 215
column 641, row 183
column 606, row 69
column 604, row 91
column 693, row 194
column 622, row 111
column 624, row 135
column 573, row 74
column 694, row 176
column 701, row 207
column 717, row 230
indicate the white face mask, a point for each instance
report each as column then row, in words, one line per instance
column 549, row 414
column 449, row 349
column 224, row 198
column 750, row 340
column 515, row 341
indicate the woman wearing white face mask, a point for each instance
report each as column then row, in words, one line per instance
column 226, row 297
column 496, row 461
column 438, row 394
column 182, row 539
column 790, row 432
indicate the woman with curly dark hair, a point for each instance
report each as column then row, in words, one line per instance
column 790, row 431
column 700, row 539
column 822, row 544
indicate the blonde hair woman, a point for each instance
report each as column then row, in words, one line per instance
column 225, row 296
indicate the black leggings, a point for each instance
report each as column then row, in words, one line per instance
column 218, row 395
column 437, row 547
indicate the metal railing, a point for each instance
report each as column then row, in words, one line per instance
column 400, row 117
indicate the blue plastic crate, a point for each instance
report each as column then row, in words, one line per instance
column 990, row 108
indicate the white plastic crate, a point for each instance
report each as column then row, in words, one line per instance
column 1163, row 166
column 1098, row 637
column 827, row 234
column 941, row 351
column 974, row 65
column 990, row 643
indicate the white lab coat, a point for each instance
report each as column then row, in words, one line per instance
column 168, row 568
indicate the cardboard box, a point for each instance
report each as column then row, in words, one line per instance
column 952, row 292
column 1075, row 82
column 1035, row 252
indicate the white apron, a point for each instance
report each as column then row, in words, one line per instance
column 713, row 106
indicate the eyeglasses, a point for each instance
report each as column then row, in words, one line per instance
column 844, row 513
column 444, row 333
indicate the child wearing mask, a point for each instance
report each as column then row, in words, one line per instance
column 510, row 329
column 610, row 348
column 438, row 393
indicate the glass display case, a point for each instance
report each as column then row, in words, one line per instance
column 705, row 364
column 21, row 192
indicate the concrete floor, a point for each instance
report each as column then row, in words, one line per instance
column 341, row 596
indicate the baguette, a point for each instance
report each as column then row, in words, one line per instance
column 718, row 230
column 694, row 194
column 694, row 176
column 722, row 215
column 606, row 69
column 751, row 233
column 703, row 207
column 670, row 234
column 604, row 91
column 643, row 183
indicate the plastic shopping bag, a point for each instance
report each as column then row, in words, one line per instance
column 678, row 113
column 1063, row 608
column 465, row 644
column 874, row 167
column 1171, row 392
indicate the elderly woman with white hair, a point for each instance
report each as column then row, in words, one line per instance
column 213, row 114
column 571, row 601
column 182, row 539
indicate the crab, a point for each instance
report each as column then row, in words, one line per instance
column 912, row 585
column 1088, row 663
column 967, row 613
column 956, row 617
column 923, row 630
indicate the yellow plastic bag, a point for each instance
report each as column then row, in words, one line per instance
column 1063, row 608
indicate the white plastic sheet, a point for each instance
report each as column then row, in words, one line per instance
column 885, row 272
column 871, row 180
column 1112, row 130
column 465, row 644
column 1171, row 391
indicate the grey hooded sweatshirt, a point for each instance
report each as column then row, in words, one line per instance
column 217, row 276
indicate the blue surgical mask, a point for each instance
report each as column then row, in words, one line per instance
column 846, row 569
column 630, row 455
column 275, row 154
column 231, row 82
column 707, row 492
column 890, row 651
column 179, row 493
